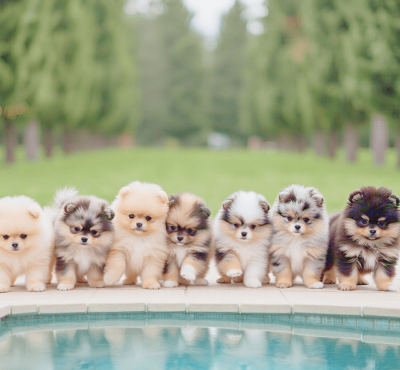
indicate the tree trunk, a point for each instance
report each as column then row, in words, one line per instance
column 31, row 140
column 379, row 138
column 333, row 144
column 10, row 140
column 351, row 140
column 68, row 141
column 48, row 142
column 398, row 148
column 319, row 143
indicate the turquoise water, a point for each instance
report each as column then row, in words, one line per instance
column 198, row 341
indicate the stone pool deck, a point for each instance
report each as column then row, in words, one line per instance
column 232, row 298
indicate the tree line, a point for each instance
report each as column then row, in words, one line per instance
column 324, row 73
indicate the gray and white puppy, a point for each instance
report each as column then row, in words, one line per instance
column 83, row 237
column 301, row 235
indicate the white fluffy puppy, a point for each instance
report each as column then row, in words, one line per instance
column 242, row 233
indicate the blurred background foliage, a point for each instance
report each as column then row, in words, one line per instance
column 85, row 74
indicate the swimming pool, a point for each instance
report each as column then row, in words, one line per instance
column 198, row 341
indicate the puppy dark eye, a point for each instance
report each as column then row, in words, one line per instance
column 23, row 236
column 306, row 219
column 131, row 215
column 172, row 227
column 148, row 218
column 6, row 236
column 93, row 232
column 253, row 226
column 363, row 221
column 289, row 218
column 77, row 229
column 381, row 223
column 189, row 231
column 236, row 225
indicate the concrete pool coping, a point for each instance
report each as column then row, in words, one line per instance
column 216, row 298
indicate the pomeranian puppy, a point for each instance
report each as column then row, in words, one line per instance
column 189, row 241
column 83, row 237
column 26, row 244
column 140, row 247
column 301, row 233
column 364, row 238
column 242, row 232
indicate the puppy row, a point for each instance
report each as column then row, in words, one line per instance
column 170, row 241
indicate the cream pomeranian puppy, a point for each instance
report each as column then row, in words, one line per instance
column 83, row 237
column 242, row 233
column 26, row 244
column 189, row 241
column 140, row 246
column 301, row 234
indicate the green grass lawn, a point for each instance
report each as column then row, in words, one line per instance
column 211, row 175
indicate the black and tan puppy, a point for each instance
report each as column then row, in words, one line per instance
column 83, row 238
column 189, row 241
column 364, row 238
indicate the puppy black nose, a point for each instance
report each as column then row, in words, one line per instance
column 372, row 232
column 180, row 238
column 84, row 240
column 244, row 233
column 297, row 227
column 15, row 245
column 139, row 225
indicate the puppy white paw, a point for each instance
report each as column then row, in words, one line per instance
column 152, row 285
column 97, row 284
column 345, row 287
column 65, row 286
column 200, row 282
column 38, row 287
column 188, row 272
column 317, row 285
column 392, row 288
column 252, row 283
column 234, row 273
column 4, row 288
column 110, row 279
column 169, row 284
column 283, row 285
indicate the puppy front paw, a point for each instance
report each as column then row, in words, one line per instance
column 283, row 285
column 200, row 282
column 391, row 288
column 346, row 287
column 188, row 272
column 37, row 287
column 317, row 285
column 4, row 288
column 97, row 284
column 169, row 284
column 234, row 273
column 151, row 285
column 110, row 279
column 252, row 283
column 64, row 286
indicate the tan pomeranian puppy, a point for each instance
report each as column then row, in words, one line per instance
column 189, row 241
column 26, row 244
column 83, row 237
column 140, row 247
column 242, row 233
column 301, row 233
column 365, row 238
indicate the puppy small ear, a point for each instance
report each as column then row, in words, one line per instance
column 173, row 200
column 264, row 206
column 355, row 196
column 205, row 211
column 34, row 212
column 163, row 196
column 124, row 191
column 227, row 203
column 109, row 213
column 287, row 196
column 69, row 208
column 394, row 199
column 319, row 199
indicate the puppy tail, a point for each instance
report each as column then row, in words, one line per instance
column 63, row 195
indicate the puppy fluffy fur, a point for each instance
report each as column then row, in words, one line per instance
column 189, row 241
column 140, row 247
column 242, row 231
column 300, row 240
column 83, row 237
column 26, row 244
column 364, row 238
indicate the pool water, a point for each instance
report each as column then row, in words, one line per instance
column 181, row 341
